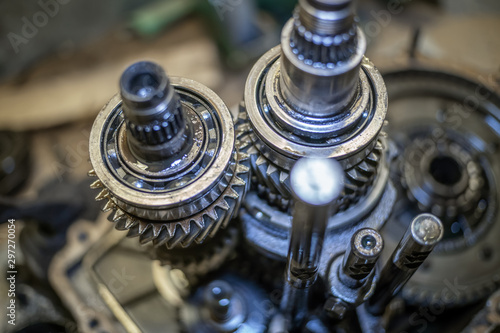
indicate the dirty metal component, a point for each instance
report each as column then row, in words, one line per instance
column 421, row 237
column 316, row 185
column 164, row 155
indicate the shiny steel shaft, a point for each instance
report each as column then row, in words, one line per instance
column 316, row 186
column 424, row 233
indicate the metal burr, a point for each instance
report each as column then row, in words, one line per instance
column 316, row 185
column 425, row 231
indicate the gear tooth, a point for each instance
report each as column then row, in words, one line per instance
column 242, row 157
column 261, row 160
column 185, row 226
column 199, row 221
column 283, row 177
column 211, row 213
column 92, row 173
column 134, row 231
column 120, row 225
column 252, row 150
column 231, row 193
column 143, row 226
column 102, row 195
column 147, row 235
column 223, row 205
column 366, row 167
column 171, row 229
column 237, row 181
column 97, row 184
column 131, row 222
column 157, row 228
column 271, row 169
column 108, row 206
column 119, row 214
column 373, row 157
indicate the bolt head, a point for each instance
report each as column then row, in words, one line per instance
column 336, row 308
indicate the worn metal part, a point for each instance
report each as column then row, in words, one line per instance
column 425, row 231
column 449, row 120
column 172, row 197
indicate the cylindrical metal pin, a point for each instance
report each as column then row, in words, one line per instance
column 425, row 231
column 364, row 249
column 316, row 185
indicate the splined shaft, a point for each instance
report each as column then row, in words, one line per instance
column 425, row 231
column 156, row 125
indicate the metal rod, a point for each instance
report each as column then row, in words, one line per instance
column 425, row 231
column 316, row 185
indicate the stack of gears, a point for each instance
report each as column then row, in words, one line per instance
column 179, row 174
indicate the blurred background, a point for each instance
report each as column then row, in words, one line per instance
column 60, row 62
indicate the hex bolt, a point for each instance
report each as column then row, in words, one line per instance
column 335, row 308
column 425, row 231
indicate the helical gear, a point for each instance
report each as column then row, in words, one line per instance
column 273, row 182
column 182, row 232
column 176, row 193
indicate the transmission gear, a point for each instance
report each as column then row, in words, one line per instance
column 180, row 185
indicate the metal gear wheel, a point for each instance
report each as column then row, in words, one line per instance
column 451, row 120
column 442, row 178
column 172, row 197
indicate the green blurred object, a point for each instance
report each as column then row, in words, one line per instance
column 152, row 19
